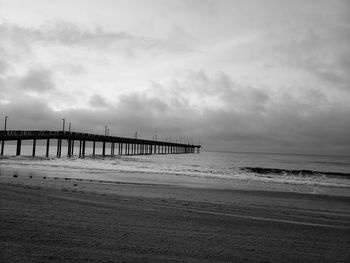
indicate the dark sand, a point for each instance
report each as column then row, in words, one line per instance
column 57, row 220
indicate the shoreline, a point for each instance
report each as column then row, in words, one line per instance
column 135, row 177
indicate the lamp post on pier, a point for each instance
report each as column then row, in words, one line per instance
column 6, row 117
column 64, row 123
column 69, row 127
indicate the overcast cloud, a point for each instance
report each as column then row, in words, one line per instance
column 266, row 76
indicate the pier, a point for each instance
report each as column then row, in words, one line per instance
column 118, row 145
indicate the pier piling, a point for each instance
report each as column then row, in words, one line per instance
column 59, row 147
column 2, row 147
column 18, row 150
column 72, row 149
column 47, row 147
column 34, row 146
column 80, row 148
column 69, row 148
column 83, row 153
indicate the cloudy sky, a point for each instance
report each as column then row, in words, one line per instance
column 265, row 76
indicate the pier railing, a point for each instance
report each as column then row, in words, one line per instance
column 123, row 145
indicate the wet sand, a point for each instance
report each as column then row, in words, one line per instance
column 74, row 220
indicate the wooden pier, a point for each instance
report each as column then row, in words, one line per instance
column 119, row 145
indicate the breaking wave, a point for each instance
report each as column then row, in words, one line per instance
column 302, row 172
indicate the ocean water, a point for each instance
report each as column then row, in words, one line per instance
column 223, row 169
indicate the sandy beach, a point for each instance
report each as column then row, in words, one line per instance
column 47, row 219
column 174, row 131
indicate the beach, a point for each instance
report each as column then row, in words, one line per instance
column 57, row 219
column 174, row 131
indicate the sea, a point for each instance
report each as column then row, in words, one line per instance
column 316, row 174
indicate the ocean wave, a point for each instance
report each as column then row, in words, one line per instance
column 223, row 170
column 302, row 172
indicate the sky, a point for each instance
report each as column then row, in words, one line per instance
column 232, row 75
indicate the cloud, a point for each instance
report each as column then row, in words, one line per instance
column 260, row 121
column 3, row 66
column 138, row 103
column 38, row 80
column 254, row 118
column 71, row 35
column 219, row 92
column 321, row 52
column 30, row 114
column 286, row 124
column 97, row 101
column 227, row 73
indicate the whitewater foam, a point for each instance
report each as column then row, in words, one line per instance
column 190, row 166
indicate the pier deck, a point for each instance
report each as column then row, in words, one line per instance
column 124, row 145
